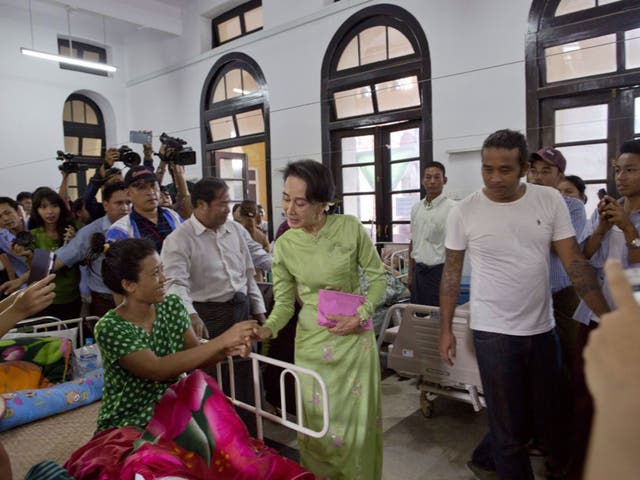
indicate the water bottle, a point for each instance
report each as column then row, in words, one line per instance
column 88, row 358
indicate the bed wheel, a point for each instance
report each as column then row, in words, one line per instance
column 426, row 405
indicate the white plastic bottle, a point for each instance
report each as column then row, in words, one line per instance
column 88, row 358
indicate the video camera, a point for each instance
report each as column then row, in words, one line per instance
column 25, row 239
column 181, row 155
column 69, row 163
column 128, row 156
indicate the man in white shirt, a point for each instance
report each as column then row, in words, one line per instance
column 509, row 229
column 426, row 248
column 208, row 264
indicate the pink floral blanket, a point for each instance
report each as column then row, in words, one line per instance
column 194, row 433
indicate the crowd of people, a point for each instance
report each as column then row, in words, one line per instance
column 167, row 274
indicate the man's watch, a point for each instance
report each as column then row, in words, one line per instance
column 635, row 243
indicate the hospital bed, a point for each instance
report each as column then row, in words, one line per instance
column 57, row 436
column 413, row 351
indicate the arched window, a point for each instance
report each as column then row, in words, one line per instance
column 235, row 129
column 84, row 136
column 583, row 72
column 376, row 117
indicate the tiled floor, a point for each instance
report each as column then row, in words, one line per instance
column 415, row 447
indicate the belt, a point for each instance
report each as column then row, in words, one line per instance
column 238, row 298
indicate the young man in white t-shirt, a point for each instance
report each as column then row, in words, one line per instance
column 509, row 228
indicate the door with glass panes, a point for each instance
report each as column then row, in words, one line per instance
column 379, row 177
column 589, row 130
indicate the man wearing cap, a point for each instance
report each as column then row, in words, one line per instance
column 147, row 218
column 546, row 168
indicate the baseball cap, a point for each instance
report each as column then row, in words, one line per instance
column 139, row 172
column 551, row 156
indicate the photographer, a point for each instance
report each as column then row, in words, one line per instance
column 169, row 155
column 104, row 175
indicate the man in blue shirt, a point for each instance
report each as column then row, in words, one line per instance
column 546, row 168
column 147, row 219
column 116, row 205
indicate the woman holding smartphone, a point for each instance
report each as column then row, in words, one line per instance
column 51, row 225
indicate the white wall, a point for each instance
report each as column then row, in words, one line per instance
column 477, row 61
column 477, row 67
column 33, row 92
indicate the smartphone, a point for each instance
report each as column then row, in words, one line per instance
column 138, row 136
column 41, row 265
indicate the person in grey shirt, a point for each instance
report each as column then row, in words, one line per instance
column 209, row 266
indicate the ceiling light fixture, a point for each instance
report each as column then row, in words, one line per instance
column 31, row 52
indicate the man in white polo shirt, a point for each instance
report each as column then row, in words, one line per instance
column 509, row 229
column 426, row 249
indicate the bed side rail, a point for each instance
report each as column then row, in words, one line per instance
column 289, row 369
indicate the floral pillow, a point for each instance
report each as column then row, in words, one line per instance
column 50, row 354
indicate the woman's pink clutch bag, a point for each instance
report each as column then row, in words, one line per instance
column 333, row 302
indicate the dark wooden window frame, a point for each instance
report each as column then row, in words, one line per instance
column 418, row 64
column 239, row 12
column 232, row 107
column 82, row 130
column 547, row 30
column 82, row 47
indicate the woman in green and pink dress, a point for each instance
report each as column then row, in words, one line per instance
column 325, row 251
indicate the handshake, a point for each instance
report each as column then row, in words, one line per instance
column 237, row 339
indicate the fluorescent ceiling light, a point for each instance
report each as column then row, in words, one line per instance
column 68, row 60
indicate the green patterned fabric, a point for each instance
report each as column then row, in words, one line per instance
column 128, row 400
column 349, row 364
column 49, row 353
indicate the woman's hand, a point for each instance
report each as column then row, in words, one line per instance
column 11, row 286
column 69, row 233
column 36, row 297
column 262, row 333
column 239, row 336
column 345, row 325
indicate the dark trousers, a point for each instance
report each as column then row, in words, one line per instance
column 520, row 377
column 565, row 303
column 425, row 287
column 218, row 317
column 101, row 303
column 62, row 311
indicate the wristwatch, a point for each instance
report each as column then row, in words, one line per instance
column 364, row 321
column 635, row 243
